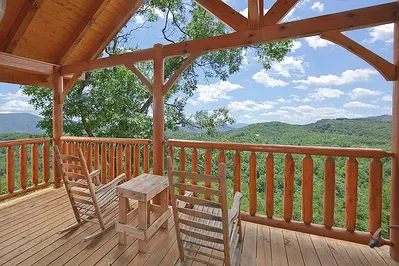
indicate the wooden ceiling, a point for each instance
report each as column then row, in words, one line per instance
column 60, row 31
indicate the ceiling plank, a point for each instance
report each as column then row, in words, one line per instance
column 348, row 20
column 253, row 14
column 25, row 64
column 83, row 26
column 387, row 69
column 21, row 23
column 278, row 11
column 225, row 13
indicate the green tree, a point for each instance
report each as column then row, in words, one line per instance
column 113, row 102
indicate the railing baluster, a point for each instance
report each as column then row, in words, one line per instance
column 46, row 162
column 35, row 164
column 182, row 165
column 221, row 159
column 270, row 185
column 76, row 153
column 194, row 166
column 10, row 170
column 136, row 160
column 375, row 195
column 208, row 169
column 64, row 147
column 89, row 157
column 351, row 193
column 237, row 172
column 111, row 150
column 96, row 156
column 171, row 154
column 252, row 184
column 119, row 159
column 128, row 162
column 146, row 159
column 104, row 163
column 329, row 192
column 307, row 189
column 23, row 171
column 289, row 170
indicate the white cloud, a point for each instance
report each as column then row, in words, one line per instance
column 248, row 105
column 360, row 93
column 381, row 33
column 348, row 76
column 318, row 7
column 296, row 45
column 288, row 65
column 387, row 98
column 192, row 102
column 17, row 106
column 301, row 87
column 216, row 91
column 141, row 19
column 357, row 104
column 296, row 98
column 18, row 95
column 317, row 42
column 323, row 93
column 263, row 78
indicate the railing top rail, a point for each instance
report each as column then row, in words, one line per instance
column 18, row 142
column 311, row 150
column 107, row 140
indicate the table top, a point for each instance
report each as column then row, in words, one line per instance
column 143, row 187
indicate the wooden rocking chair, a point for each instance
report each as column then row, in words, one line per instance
column 205, row 223
column 90, row 202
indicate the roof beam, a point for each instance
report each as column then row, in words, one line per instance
column 83, row 26
column 225, row 13
column 22, row 78
column 254, row 14
column 278, row 11
column 25, row 64
column 21, row 23
column 387, row 69
column 348, row 20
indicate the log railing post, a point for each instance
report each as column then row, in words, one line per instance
column 394, row 217
column 375, row 195
column 270, row 185
column 252, row 184
column 23, row 168
column 46, row 162
column 128, row 162
column 10, row 170
column 351, row 193
column 289, row 170
column 237, row 172
column 329, row 192
column 57, row 119
column 307, row 189
column 103, row 163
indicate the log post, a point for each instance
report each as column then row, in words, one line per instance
column 394, row 217
column 57, row 119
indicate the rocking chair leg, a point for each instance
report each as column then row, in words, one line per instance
column 106, row 227
column 75, row 225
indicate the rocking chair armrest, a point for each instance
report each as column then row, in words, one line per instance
column 95, row 175
column 114, row 182
column 235, row 209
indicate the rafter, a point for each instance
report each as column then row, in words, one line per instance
column 278, row 11
column 83, row 26
column 143, row 79
column 25, row 64
column 254, row 14
column 225, row 13
column 387, row 69
column 343, row 21
column 21, row 23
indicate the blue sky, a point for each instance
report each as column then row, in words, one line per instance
column 316, row 80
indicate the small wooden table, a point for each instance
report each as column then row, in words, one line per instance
column 143, row 189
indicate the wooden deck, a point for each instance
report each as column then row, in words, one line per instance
column 29, row 236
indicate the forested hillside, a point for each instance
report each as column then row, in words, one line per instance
column 360, row 133
column 19, row 122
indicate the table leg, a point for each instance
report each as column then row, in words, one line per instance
column 123, row 207
column 143, row 224
column 164, row 204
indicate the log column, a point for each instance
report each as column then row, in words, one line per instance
column 158, row 114
column 394, row 220
column 57, row 119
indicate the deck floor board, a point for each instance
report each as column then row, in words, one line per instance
column 29, row 229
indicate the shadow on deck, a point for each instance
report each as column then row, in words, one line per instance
column 29, row 236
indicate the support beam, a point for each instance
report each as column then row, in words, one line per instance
column 225, row 13
column 69, row 85
column 343, row 21
column 394, row 217
column 172, row 80
column 21, row 23
column 83, row 26
column 278, row 11
column 21, row 78
column 57, row 120
column 143, row 79
column 253, row 14
column 386, row 69
column 25, row 64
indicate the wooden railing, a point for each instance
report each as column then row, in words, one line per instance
column 26, row 166
column 113, row 156
column 179, row 149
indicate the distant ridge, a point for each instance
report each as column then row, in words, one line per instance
column 19, row 122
